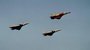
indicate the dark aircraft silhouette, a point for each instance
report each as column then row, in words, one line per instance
column 18, row 27
column 50, row 33
column 58, row 16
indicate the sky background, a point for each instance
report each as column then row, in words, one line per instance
column 75, row 34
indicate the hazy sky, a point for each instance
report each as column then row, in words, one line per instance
column 75, row 34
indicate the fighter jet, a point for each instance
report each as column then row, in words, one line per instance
column 58, row 16
column 18, row 27
column 50, row 33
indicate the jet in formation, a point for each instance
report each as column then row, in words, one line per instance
column 50, row 33
column 18, row 27
column 59, row 15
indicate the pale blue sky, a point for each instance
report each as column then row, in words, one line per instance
column 75, row 34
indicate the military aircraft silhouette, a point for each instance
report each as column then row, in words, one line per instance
column 18, row 27
column 50, row 33
column 58, row 16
